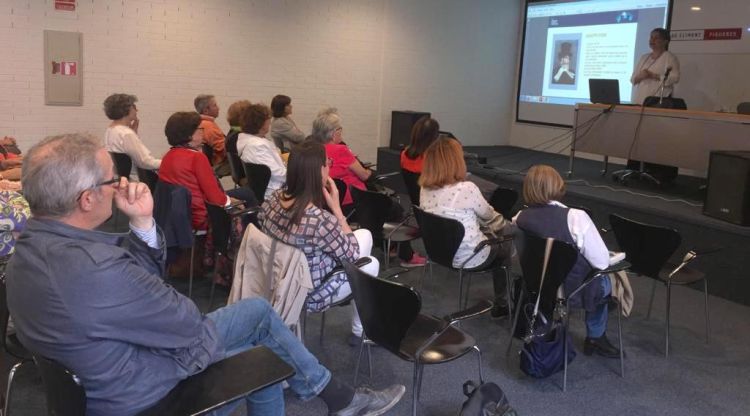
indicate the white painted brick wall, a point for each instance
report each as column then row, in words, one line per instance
column 366, row 57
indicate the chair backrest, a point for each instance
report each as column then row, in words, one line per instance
column 341, row 187
column 561, row 261
column 235, row 167
column 4, row 315
column 173, row 213
column 743, row 108
column 411, row 180
column 258, row 176
column 221, row 224
column 123, row 164
column 441, row 236
column 503, row 200
column 149, row 177
column 208, row 151
column 647, row 247
column 371, row 210
column 64, row 393
column 387, row 309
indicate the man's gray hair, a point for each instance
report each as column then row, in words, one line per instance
column 201, row 102
column 57, row 169
column 325, row 125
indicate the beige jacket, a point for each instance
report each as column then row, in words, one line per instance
column 274, row 271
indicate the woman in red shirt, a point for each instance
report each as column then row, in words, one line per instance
column 425, row 131
column 344, row 165
column 187, row 166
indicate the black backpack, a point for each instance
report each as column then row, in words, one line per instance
column 486, row 399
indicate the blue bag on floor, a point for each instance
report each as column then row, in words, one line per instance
column 542, row 356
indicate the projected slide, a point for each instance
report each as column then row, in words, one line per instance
column 568, row 43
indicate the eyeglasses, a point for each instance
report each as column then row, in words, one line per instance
column 114, row 180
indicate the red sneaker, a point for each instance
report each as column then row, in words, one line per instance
column 415, row 261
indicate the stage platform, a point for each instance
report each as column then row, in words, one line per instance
column 678, row 206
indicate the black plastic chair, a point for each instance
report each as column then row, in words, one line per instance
column 209, row 152
column 123, row 164
column 743, row 108
column 341, row 188
column 411, row 180
column 562, row 258
column 220, row 219
column 648, row 248
column 371, row 210
column 221, row 383
column 503, row 200
column 149, row 177
column 391, row 318
column 173, row 214
column 11, row 345
column 123, row 167
column 258, row 176
column 442, row 237
column 236, row 169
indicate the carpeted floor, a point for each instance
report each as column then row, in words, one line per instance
column 697, row 379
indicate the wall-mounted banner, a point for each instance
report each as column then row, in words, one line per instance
column 707, row 34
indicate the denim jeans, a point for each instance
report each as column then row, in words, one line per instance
column 596, row 321
column 252, row 322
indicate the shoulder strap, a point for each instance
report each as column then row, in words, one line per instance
column 547, row 251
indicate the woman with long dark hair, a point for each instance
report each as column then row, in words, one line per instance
column 425, row 131
column 306, row 213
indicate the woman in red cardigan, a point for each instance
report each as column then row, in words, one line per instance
column 187, row 166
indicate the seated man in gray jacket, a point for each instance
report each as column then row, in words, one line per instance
column 94, row 301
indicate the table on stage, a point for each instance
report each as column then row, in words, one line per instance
column 682, row 138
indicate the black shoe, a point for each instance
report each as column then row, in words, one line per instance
column 368, row 402
column 600, row 346
column 499, row 311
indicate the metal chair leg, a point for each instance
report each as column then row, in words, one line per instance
column 420, row 377
column 387, row 256
column 466, row 293
column 507, row 292
column 460, row 288
column 565, row 350
column 479, row 363
column 415, row 381
column 651, row 302
column 516, row 313
column 705, row 296
column 359, row 360
column 666, row 324
column 11, row 375
column 619, row 336
column 322, row 326
column 369, row 358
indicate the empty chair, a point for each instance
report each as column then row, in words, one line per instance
column 648, row 248
column 258, row 177
column 391, row 318
column 221, row 383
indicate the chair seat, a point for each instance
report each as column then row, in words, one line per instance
column 453, row 343
column 685, row 276
column 403, row 233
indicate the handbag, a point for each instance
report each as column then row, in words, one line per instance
column 486, row 399
column 543, row 351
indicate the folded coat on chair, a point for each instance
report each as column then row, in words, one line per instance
column 274, row 271
column 622, row 291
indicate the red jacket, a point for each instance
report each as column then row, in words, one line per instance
column 190, row 168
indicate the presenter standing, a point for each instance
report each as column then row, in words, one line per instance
column 653, row 67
